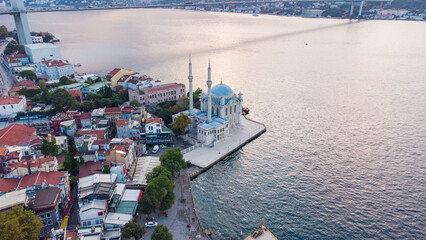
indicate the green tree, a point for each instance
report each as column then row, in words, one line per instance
column 106, row 170
column 165, row 114
column 65, row 81
column 173, row 160
column 124, row 95
column 28, row 74
column 11, row 48
column 161, row 232
column 49, row 148
column 29, row 93
column 46, row 96
column 71, row 164
column 180, row 124
column 135, row 103
column 168, row 200
column 3, row 32
column 132, row 229
column 47, row 38
column 148, row 204
column 107, row 92
column 19, row 224
column 157, row 171
column 155, row 191
column 63, row 101
column 42, row 83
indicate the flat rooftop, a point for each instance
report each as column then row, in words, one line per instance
column 144, row 166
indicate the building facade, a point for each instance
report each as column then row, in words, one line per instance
column 153, row 96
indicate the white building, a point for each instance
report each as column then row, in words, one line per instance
column 69, row 127
column 42, row 51
column 37, row 39
column 123, row 128
column 221, row 109
column 62, row 143
column 117, row 220
column 93, row 213
column 153, row 125
column 10, row 105
column 55, row 69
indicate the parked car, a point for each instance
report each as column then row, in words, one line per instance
column 155, row 149
column 151, row 224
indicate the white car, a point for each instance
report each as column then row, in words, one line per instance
column 151, row 224
column 155, row 149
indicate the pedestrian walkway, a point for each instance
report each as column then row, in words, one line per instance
column 237, row 137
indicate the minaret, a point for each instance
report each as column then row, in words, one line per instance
column 209, row 95
column 191, row 100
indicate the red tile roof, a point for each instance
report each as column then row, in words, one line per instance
column 164, row 87
column 101, row 141
column 49, row 178
column 157, row 120
column 90, row 168
column 55, row 63
column 99, row 133
column 86, row 115
column 122, row 122
column 119, row 87
column 24, row 83
column 11, row 100
column 16, row 134
column 16, row 89
column 76, row 93
column 113, row 110
column 115, row 71
column 61, row 159
column 8, row 184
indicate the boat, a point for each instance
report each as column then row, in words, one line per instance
column 262, row 233
column 77, row 65
column 255, row 15
column 246, row 111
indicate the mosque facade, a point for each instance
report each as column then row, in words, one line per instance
column 220, row 110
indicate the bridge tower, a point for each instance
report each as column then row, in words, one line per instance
column 360, row 9
column 21, row 22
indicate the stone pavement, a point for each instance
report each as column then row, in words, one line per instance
column 237, row 137
column 181, row 215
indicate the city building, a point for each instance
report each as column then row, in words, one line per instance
column 153, row 96
column 112, row 114
column 93, row 88
column 93, row 213
column 11, row 105
column 115, row 75
column 123, row 128
column 121, row 154
column 221, row 109
column 19, row 135
column 37, row 39
column 68, row 127
column 136, row 81
column 15, row 61
column 62, row 143
column 47, row 205
column 90, row 168
column 42, row 52
column 26, row 167
column 77, row 94
column 13, row 198
column 25, row 84
column 55, row 69
column 97, row 186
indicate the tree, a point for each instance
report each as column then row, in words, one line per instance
column 19, row 224
column 28, row 74
column 71, row 164
column 132, row 229
column 63, row 101
column 135, row 103
column 47, row 37
column 157, row 171
column 3, row 32
column 42, row 83
column 107, row 92
column 65, row 81
column 161, row 232
column 180, row 124
column 49, row 148
column 148, row 204
column 172, row 160
column 168, row 200
column 11, row 48
column 124, row 95
column 106, row 170
column 165, row 114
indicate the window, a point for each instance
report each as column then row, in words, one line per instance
column 97, row 221
column 49, row 222
column 4, row 107
column 11, row 106
column 42, row 216
column 48, row 215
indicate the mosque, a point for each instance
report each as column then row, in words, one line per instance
column 221, row 109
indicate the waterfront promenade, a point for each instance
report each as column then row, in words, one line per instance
column 205, row 157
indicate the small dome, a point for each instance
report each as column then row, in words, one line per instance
column 222, row 90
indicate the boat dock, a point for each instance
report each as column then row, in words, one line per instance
column 206, row 157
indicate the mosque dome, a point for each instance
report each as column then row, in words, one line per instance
column 222, row 90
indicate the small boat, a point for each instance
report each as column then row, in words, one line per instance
column 262, row 233
column 77, row 65
column 246, row 111
column 255, row 15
